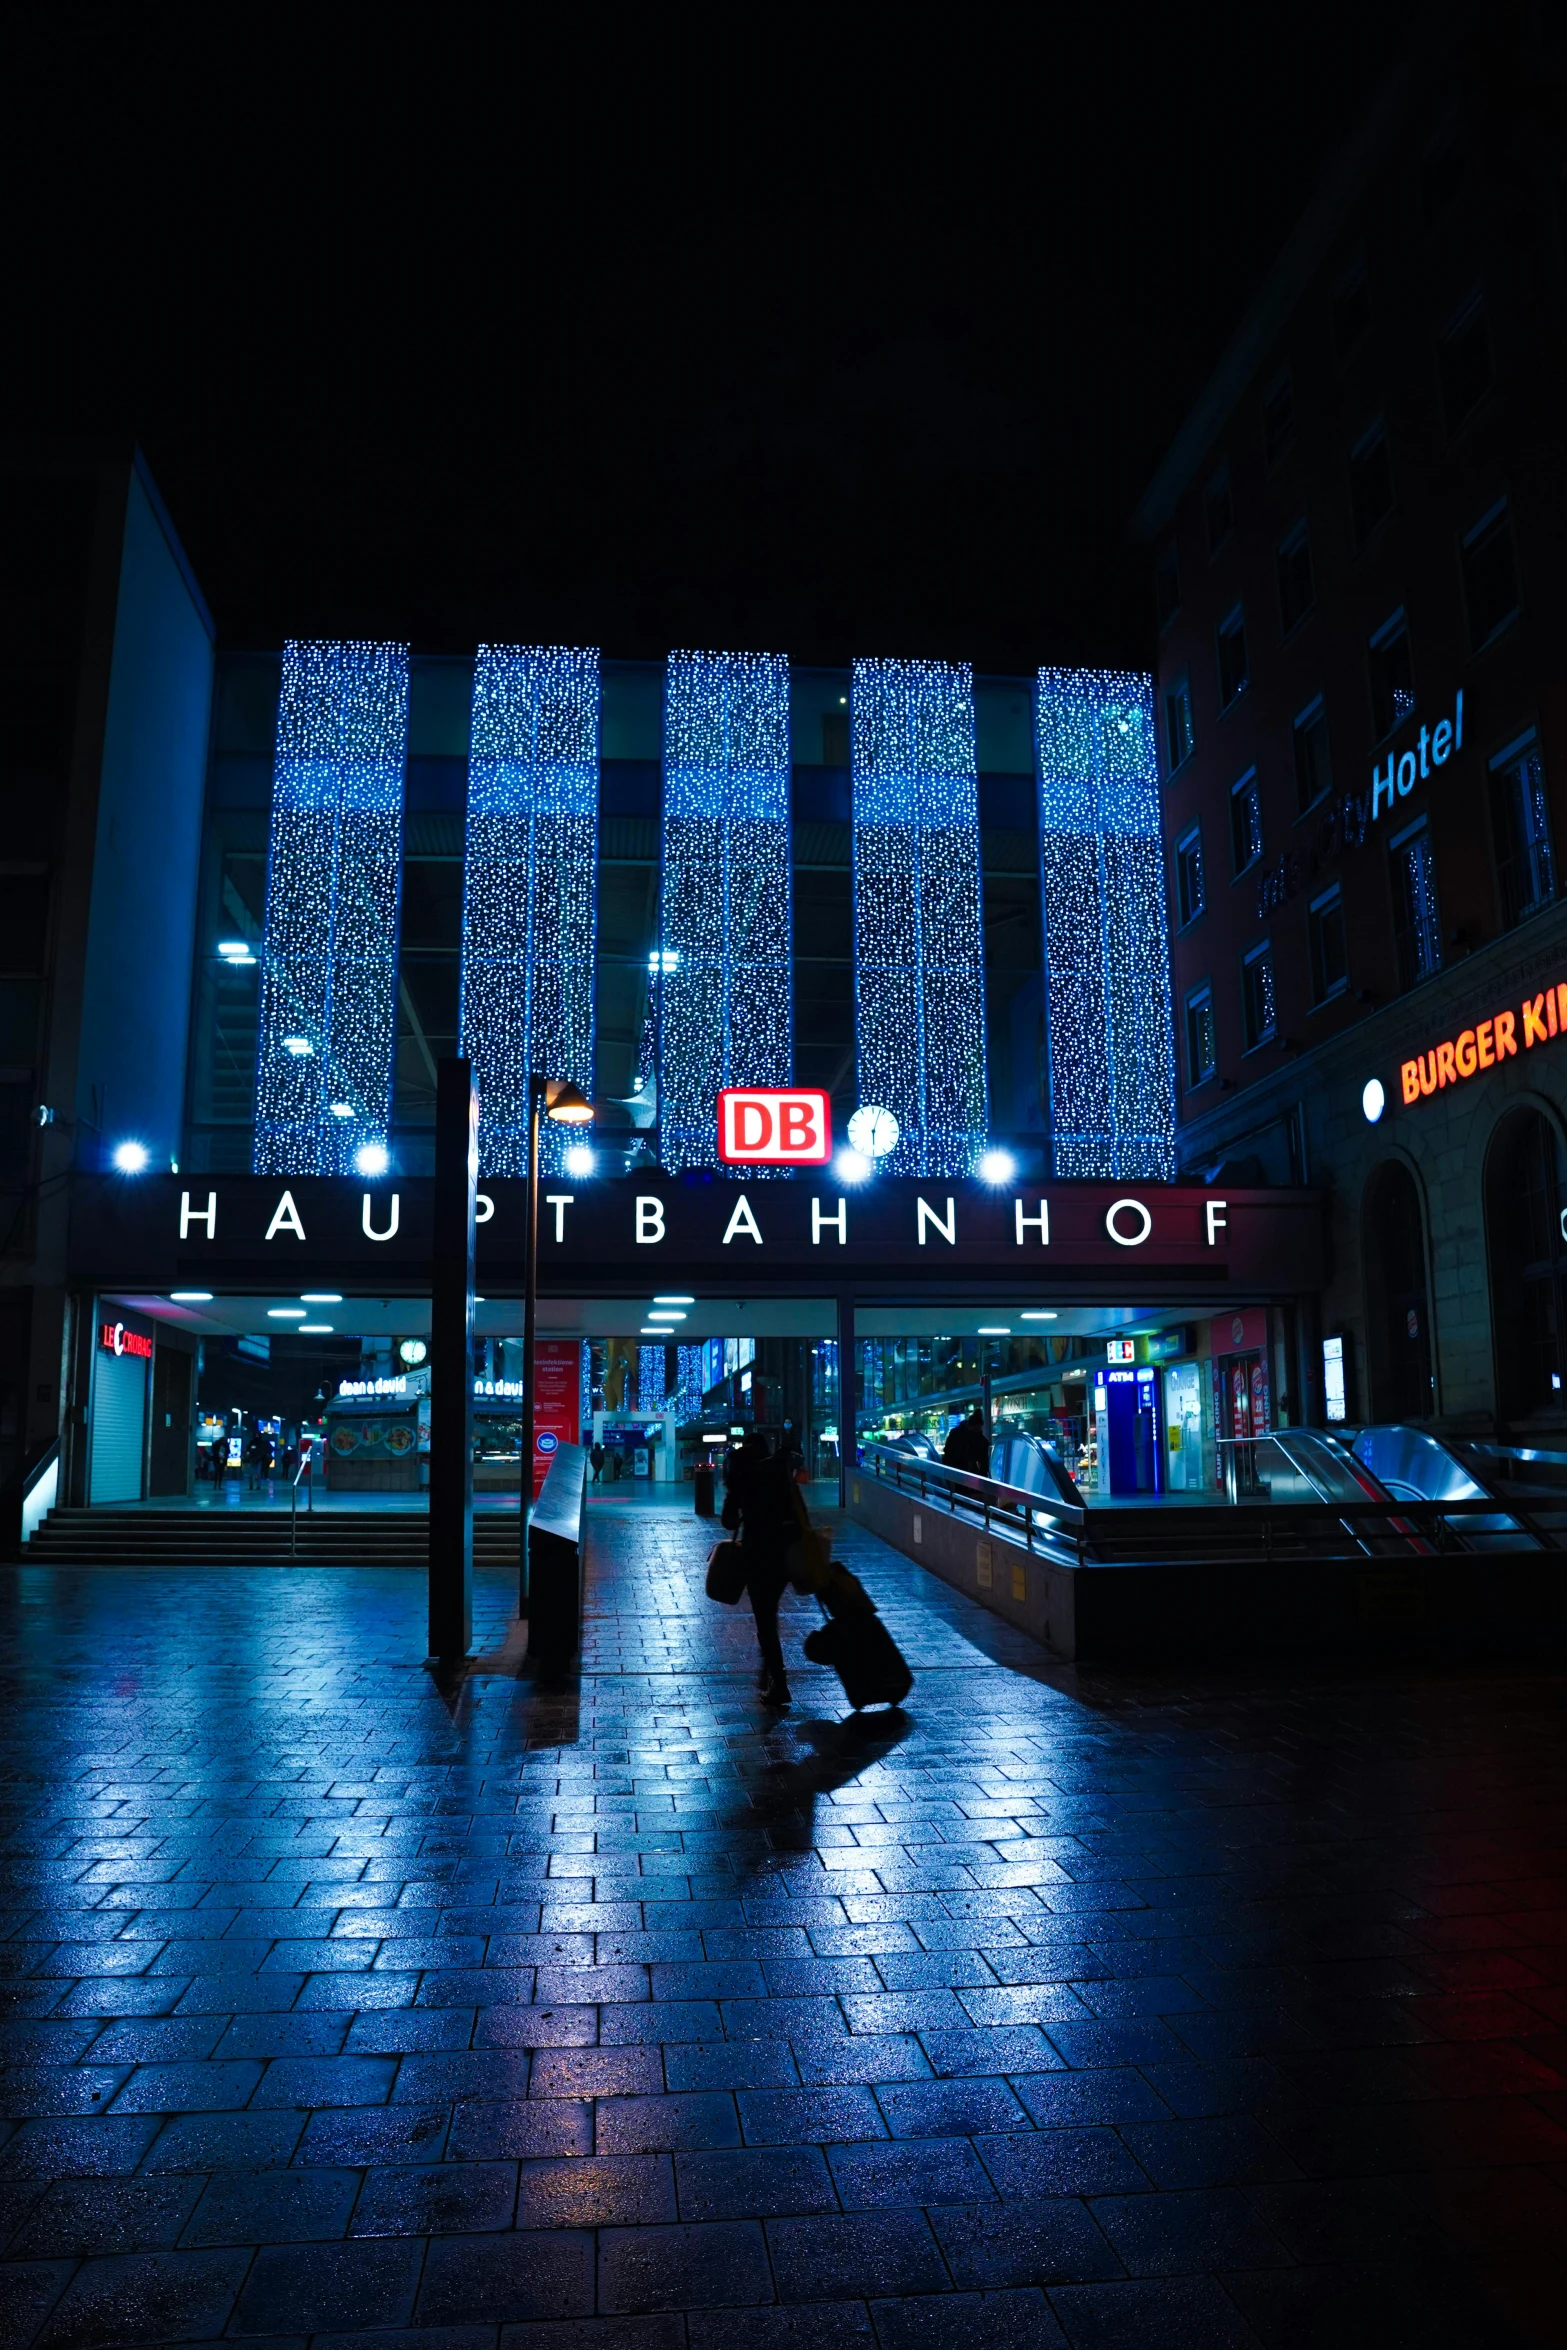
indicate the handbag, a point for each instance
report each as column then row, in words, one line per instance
column 726, row 1573
column 809, row 1556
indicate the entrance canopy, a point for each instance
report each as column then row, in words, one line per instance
column 252, row 1237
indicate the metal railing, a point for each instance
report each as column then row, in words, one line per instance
column 1054, row 1528
column 1254, row 1529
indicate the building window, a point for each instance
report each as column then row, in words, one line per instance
column 1441, row 171
column 1245, row 821
column 1392, row 675
column 1351, row 302
column 1463, row 359
column 1188, row 876
column 1521, row 830
column 1370, row 481
column 1278, row 419
column 1218, row 509
column 1490, row 575
column 1417, row 930
column 1329, row 958
column 1202, row 1048
column 1313, row 759
column 1167, row 585
column 1178, row 735
column 1259, row 1010
column 1296, row 593
column 1234, row 671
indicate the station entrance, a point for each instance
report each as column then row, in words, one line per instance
column 228, row 1337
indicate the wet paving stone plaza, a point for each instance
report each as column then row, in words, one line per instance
column 1062, row 2007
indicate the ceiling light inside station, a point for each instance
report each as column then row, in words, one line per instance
column 190, row 1297
column 285, row 1313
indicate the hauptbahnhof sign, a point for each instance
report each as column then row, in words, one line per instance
column 261, row 1232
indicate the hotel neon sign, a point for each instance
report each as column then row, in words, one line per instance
column 1489, row 1042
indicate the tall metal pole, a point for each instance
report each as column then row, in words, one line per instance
column 451, row 1361
column 530, row 1318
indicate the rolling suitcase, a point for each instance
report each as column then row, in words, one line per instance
column 859, row 1647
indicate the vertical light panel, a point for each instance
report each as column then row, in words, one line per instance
column 919, row 957
column 1107, row 949
column 328, row 1014
column 723, row 993
column 528, row 890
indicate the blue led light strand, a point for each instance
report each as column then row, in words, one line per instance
column 328, row 1001
column 725, row 997
column 529, row 903
column 1107, row 949
column 919, row 958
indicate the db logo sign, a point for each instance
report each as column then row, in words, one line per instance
column 761, row 1126
column 546, row 1441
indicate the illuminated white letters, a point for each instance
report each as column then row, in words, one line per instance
column 650, row 1217
column 370, row 1231
column 1039, row 1223
column 1218, row 1221
column 560, row 1201
column 1115, row 1210
column 207, row 1215
column 483, row 1207
column 821, row 1223
column 285, row 1219
column 949, row 1230
column 742, row 1222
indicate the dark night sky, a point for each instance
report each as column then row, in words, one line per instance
column 843, row 346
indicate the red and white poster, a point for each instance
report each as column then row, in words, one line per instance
column 557, row 1401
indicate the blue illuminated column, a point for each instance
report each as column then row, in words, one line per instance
column 725, row 1014
column 528, row 893
column 328, row 1015
column 919, row 957
column 1107, row 949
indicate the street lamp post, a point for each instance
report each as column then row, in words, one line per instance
column 568, row 1106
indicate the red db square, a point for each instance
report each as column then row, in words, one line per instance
column 771, row 1126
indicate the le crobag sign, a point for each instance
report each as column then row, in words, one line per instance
column 760, row 1126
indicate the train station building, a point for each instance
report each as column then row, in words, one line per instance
column 256, row 898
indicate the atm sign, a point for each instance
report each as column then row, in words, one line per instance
column 772, row 1127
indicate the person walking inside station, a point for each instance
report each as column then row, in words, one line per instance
column 596, row 1456
column 968, row 1447
column 760, row 1503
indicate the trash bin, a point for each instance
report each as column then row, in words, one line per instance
column 703, row 1483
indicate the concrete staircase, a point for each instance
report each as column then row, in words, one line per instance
column 220, row 1537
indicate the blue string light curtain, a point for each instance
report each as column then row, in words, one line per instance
column 919, row 957
column 529, row 906
column 1107, row 948
column 724, row 1008
column 328, row 1009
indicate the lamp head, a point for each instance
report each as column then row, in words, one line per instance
column 567, row 1103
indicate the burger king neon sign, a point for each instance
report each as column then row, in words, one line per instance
column 1537, row 1019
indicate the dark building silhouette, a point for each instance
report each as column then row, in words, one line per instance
column 1363, row 733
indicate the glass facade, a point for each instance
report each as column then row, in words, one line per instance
column 491, row 925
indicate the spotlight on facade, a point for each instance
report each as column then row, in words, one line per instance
column 996, row 1167
column 372, row 1158
column 300, row 1046
column 131, row 1157
column 852, row 1167
column 579, row 1159
column 1373, row 1101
